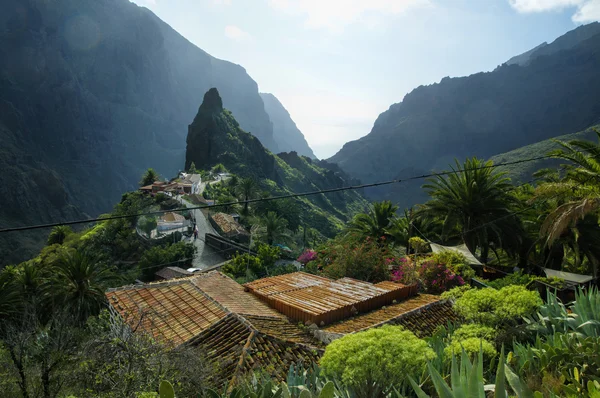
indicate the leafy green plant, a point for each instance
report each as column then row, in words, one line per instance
column 493, row 307
column 377, row 360
column 456, row 292
column 455, row 262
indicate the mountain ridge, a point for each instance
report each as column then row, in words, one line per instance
column 478, row 115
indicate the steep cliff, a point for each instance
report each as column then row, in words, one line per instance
column 92, row 92
column 286, row 134
column 554, row 93
column 215, row 137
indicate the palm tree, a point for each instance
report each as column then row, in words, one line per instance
column 575, row 198
column 579, row 189
column 149, row 177
column 10, row 299
column 246, row 188
column 79, row 282
column 476, row 200
column 59, row 234
column 375, row 222
column 273, row 227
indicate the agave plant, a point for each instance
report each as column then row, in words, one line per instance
column 466, row 380
column 583, row 318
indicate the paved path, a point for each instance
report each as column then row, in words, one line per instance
column 205, row 256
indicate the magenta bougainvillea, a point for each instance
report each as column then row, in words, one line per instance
column 437, row 278
column 307, row 256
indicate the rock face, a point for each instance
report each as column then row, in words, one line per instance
column 555, row 92
column 92, row 92
column 216, row 137
column 286, row 134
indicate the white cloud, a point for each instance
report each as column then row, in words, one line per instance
column 336, row 14
column 235, row 33
column 224, row 2
column 586, row 10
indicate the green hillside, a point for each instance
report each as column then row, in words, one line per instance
column 523, row 172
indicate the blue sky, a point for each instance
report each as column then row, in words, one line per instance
column 337, row 64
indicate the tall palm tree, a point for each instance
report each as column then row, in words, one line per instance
column 79, row 282
column 578, row 190
column 10, row 297
column 375, row 222
column 247, row 188
column 273, row 227
column 475, row 199
column 59, row 234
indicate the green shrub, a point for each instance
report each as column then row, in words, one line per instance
column 456, row 293
column 374, row 361
column 455, row 262
column 471, row 346
column 517, row 302
column 517, row 278
column 492, row 307
column 474, row 330
column 236, row 268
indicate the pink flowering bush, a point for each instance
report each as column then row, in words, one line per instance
column 307, row 256
column 404, row 270
column 437, row 278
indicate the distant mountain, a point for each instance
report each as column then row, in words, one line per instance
column 480, row 115
column 286, row 134
column 91, row 94
column 564, row 42
column 216, row 137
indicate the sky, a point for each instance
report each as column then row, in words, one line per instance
column 337, row 64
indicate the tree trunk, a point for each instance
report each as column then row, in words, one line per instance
column 22, row 376
column 46, row 379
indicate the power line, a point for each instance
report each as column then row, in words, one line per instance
column 280, row 197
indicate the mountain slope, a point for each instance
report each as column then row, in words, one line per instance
column 523, row 172
column 92, row 93
column 285, row 132
column 215, row 137
column 479, row 115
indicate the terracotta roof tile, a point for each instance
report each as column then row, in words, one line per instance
column 232, row 295
column 283, row 329
column 223, row 344
column 275, row 356
column 424, row 322
column 171, row 312
column 306, row 297
column 239, row 345
column 421, row 314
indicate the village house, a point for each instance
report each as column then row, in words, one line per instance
column 255, row 326
column 170, row 221
column 227, row 226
